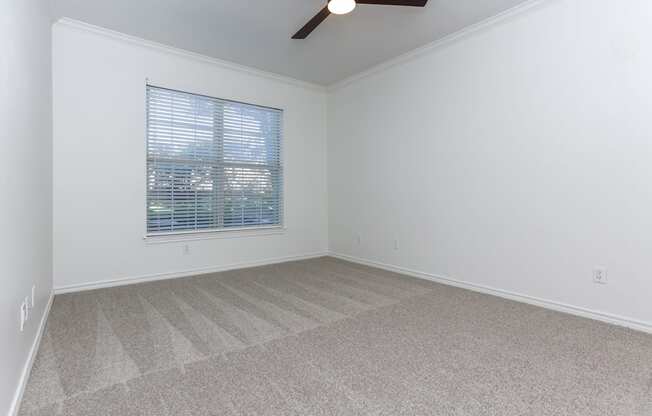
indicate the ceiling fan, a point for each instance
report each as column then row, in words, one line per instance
column 346, row 6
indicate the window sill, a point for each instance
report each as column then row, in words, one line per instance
column 165, row 238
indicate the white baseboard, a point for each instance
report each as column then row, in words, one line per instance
column 184, row 273
column 27, row 369
column 544, row 303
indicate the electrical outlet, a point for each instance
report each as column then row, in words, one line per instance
column 186, row 249
column 357, row 238
column 600, row 275
column 23, row 316
column 396, row 244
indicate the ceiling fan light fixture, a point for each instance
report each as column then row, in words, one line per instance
column 341, row 6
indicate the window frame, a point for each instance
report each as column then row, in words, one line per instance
column 222, row 232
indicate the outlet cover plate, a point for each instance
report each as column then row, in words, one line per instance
column 600, row 275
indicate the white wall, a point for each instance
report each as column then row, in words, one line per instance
column 517, row 157
column 99, row 159
column 25, row 180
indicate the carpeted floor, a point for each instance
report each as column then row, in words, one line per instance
column 326, row 337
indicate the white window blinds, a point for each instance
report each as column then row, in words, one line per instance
column 211, row 164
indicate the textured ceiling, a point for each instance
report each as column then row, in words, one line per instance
column 257, row 33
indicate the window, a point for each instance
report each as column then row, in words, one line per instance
column 212, row 164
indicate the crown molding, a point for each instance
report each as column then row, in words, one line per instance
column 384, row 66
column 134, row 40
column 440, row 43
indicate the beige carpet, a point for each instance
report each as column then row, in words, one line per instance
column 326, row 337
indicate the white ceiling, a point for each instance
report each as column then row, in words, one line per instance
column 257, row 33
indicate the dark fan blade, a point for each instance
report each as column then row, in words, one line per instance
column 312, row 24
column 415, row 3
